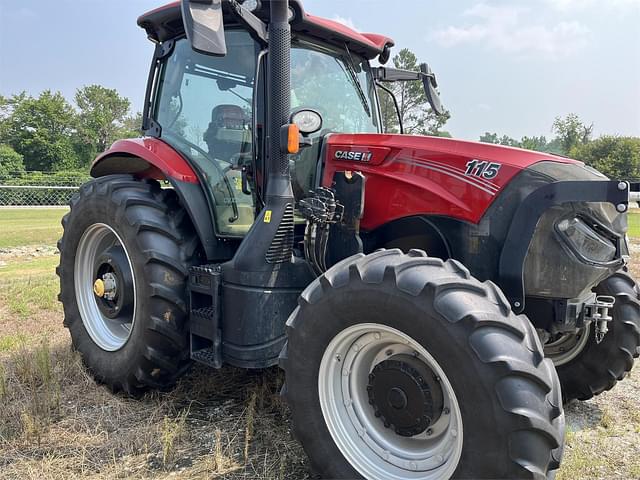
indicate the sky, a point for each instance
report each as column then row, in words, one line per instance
column 503, row 66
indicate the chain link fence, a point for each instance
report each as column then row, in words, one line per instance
column 39, row 189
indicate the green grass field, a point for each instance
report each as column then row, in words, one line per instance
column 634, row 224
column 30, row 226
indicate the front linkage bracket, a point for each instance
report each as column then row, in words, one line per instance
column 598, row 313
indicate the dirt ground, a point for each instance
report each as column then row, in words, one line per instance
column 56, row 423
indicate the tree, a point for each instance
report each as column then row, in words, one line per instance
column 490, row 138
column 539, row 144
column 504, row 140
column 41, row 130
column 571, row 132
column 102, row 118
column 616, row 157
column 132, row 126
column 11, row 162
column 417, row 116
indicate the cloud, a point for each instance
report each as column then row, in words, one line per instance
column 574, row 5
column 345, row 21
column 509, row 29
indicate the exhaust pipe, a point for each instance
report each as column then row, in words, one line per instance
column 270, row 240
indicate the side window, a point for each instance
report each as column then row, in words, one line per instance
column 205, row 110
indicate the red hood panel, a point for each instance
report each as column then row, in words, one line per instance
column 412, row 175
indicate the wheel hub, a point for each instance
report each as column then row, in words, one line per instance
column 405, row 394
column 113, row 286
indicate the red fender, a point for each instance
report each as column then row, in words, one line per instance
column 146, row 158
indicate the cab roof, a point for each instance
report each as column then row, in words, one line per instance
column 165, row 23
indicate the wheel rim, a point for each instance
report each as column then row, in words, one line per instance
column 564, row 347
column 100, row 290
column 375, row 451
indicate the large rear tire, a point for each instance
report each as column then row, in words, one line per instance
column 124, row 260
column 378, row 336
column 589, row 368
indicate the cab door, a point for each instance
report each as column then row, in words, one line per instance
column 205, row 108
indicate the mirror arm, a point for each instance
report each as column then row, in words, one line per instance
column 383, row 74
column 395, row 102
column 255, row 26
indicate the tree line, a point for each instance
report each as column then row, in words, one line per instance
column 615, row 156
column 48, row 133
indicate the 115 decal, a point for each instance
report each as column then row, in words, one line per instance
column 487, row 170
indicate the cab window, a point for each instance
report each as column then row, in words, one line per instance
column 204, row 106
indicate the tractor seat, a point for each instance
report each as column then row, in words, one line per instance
column 229, row 132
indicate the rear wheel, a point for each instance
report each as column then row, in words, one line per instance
column 124, row 260
column 402, row 366
column 586, row 367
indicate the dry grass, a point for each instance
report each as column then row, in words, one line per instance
column 56, row 423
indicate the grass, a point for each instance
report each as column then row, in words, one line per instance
column 634, row 224
column 29, row 286
column 32, row 226
column 56, row 422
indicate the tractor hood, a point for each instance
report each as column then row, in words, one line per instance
column 430, row 147
column 414, row 175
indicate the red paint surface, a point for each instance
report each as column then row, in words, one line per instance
column 158, row 154
column 412, row 175
column 371, row 41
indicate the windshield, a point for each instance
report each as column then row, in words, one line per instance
column 338, row 85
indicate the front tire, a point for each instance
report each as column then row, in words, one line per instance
column 488, row 402
column 124, row 259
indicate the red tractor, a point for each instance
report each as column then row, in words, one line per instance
column 432, row 301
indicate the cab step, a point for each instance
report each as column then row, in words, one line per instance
column 205, row 334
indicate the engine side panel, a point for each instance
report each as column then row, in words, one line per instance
column 412, row 175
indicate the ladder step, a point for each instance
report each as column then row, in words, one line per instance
column 205, row 333
column 207, row 356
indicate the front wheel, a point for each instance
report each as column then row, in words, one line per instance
column 404, row 367
column 587, row 367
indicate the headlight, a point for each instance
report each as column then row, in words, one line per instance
column 586, row 242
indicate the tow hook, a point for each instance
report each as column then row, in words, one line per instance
column 598, row 313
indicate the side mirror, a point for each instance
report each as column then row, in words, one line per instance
column 430, row 85
column 204, row 25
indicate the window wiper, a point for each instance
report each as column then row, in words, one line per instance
column 354, row 79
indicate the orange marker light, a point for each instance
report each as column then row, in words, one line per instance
column 293, row 139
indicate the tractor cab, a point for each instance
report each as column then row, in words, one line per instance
column 211, row 109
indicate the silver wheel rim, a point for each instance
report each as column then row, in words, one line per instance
column 565, row 347
column 375, row 451
column 108, row 334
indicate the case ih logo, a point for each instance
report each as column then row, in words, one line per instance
column 354, row 156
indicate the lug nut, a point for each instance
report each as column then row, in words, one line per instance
column 622, row 186
column 621, row 208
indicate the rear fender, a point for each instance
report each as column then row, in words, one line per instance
column 153, row 158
